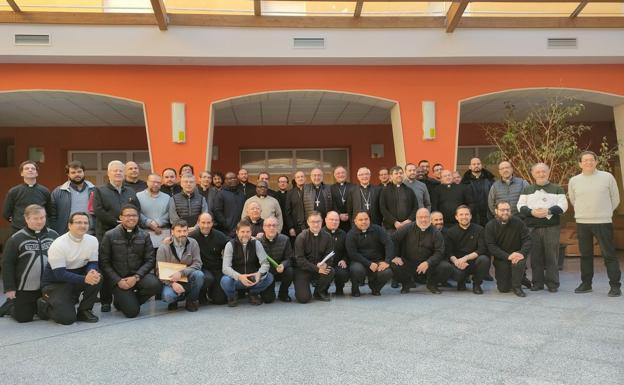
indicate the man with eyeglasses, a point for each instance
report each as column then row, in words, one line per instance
column 509, row 241
column 127, row 257
column 277, row 246
column 188, row 204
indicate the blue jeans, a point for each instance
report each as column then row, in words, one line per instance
column 191, row 289
column 231, row 285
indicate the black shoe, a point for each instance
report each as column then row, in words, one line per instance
column 433, row 289
column 476, row 288
column 172, row 306
column 255, row 299
column 42, row 309
column 106, row 308
column 192, row 306
column 355, row 291
column 6, row 308
column 321, row 296
column 553, row 289
column 488, row 278
column 405, row 289
column 537, row 288
column 376, row 292
column 519, row 292
column 394, row 285
column 615, row 292
column 284, row 298
column 526, row 283
column 233, row 302
column 583, row 288
column 86, row 316
column 339, row 291
column 203, row 300
column 461, row 286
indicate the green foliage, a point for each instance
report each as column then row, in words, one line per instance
column 545, row 135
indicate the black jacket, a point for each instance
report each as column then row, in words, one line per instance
column 123, row 254
column 415, row 245
column 248, row 189
column 294, row 217
column 480, row 188
column 279, row 249
column 357, row 202
column 211, row 248
column 447, row 197
column 339, row 237
column 372, row 245
column 24, row 259
column 397, row 204
column 310, row 194
column 107, row 202
column 21, row 196
column 503, row 239
column 311, row 249
column 227, row 210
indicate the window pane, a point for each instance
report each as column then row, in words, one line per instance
column 110, row 156
column 89, row 159
column 142, row 159
column 464, row 155
column 484, row 152
column 335, row 158
column 308, row 158
column 280, row 159
column 253, row 160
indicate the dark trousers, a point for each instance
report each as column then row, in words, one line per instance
column 508, row 276
column 106, row 293
column 376, row 279
column 25, row 305
column 405, row 274
column 62, row 299
column 341, row 276
column 478, row 268
column 212, row 287
column 545, row 256
column 302, row 281
column 604, row 234
column 129, row 301
column 286, row 279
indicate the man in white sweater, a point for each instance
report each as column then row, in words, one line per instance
column 595, row 196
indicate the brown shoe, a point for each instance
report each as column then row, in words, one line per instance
column 255, row 299
column 192, row 305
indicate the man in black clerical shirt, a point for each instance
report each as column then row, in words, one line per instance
column 397, row 202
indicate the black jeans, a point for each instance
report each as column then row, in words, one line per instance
column 302, row 280
column 508, row 276
column 545, row 256
column 129, row 301
column 212, row 287
column 286, row 278
column 25, row 305
column 341, row 276
column 62, row 299
column 376, row 279
column 478, row 267
column 439, row 273
column 604, row 234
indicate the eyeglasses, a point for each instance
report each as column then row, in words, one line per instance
column 270, row 224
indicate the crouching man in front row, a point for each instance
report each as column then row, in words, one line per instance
column 71, row 271
column 245, row 266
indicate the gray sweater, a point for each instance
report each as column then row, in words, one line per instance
column 594, row 197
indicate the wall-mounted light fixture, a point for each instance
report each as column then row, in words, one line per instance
column 178, row 122
column 428, row 113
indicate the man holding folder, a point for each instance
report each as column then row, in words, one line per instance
column 187, row 281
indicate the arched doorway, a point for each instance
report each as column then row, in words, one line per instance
column 281, row 131
column 55, row 126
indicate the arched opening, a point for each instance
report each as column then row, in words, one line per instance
column 284, row 131
column 601, row 113
column 56, row 126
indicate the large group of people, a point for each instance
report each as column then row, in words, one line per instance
column 235, row 239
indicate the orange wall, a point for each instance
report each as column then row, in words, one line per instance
column 357, row 138
column 56, row 141
column 199, row 86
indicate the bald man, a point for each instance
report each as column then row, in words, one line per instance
column 132, row 177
